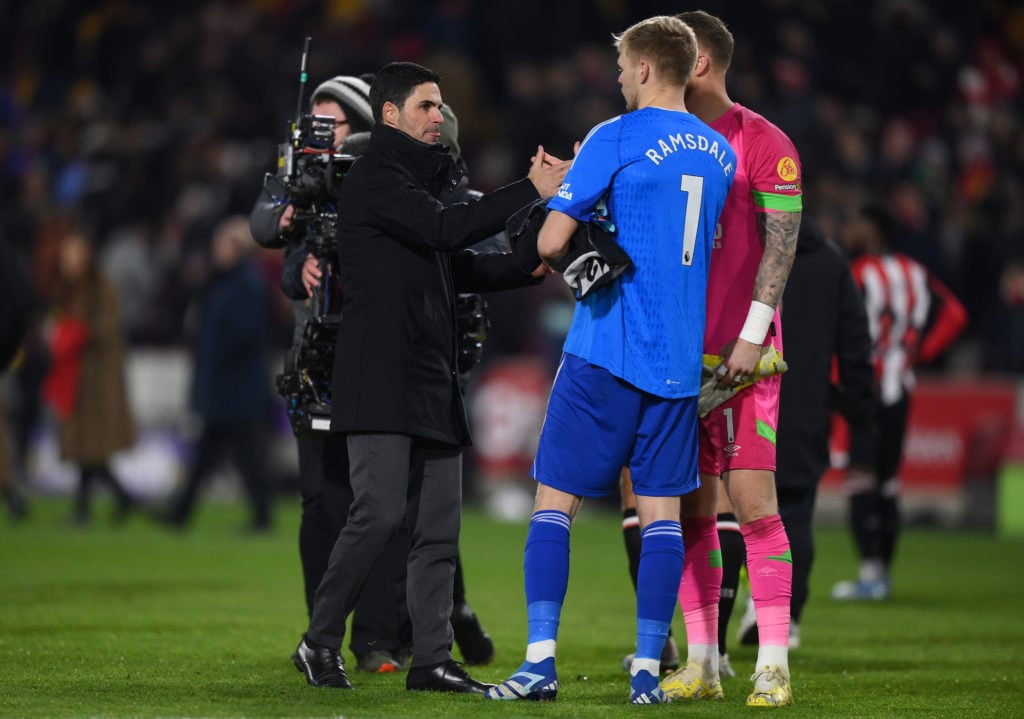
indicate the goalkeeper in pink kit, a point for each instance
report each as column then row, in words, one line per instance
column 751, row 259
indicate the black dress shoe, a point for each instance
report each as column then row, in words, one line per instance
column 321, row 665
column 447, row 676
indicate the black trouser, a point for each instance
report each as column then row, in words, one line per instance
column 380, row 619
column 397, row 479
column 245, row 444
column 316, row 533
column 89, row 473
column 874, row 510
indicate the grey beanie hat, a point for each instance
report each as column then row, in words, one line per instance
column 450, row 132
column 353, row 94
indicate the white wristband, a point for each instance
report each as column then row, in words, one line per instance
column 758, row 319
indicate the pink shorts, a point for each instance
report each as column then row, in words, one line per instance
column 740, row 433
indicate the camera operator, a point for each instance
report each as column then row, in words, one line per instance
column 346, row 99
column 395, row 384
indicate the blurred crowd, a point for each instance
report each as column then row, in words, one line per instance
column 152, row 122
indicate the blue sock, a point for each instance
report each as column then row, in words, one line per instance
column 661, row 568
column 546, row 570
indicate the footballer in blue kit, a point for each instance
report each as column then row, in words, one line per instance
column 626, row 390
column 664, row 175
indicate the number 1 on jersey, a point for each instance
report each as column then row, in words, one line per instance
column 693, row 186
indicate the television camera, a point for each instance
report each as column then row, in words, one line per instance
column 311, row 171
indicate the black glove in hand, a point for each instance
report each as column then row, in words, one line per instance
column 594, row 259
column 523, row 228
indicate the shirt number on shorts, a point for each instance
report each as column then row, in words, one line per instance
column 693, row 186
column 730, row 429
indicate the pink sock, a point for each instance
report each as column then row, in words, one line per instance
column 702, row 580
column 770, row 566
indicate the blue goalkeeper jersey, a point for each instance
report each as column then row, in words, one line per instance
column 665, row 175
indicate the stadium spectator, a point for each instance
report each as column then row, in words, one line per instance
column 85, row 385
column 231, row 379
column 177, row 135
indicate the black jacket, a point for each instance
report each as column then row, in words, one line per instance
column 401, row 267
column 822, row 316
column 229, row 381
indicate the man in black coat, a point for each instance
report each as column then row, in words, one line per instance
column 274, row 224
column 395, row 386
column 824, row 317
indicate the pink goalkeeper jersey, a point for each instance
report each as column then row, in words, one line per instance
column 767, row 180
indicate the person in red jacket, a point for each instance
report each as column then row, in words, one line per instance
column 86, row 385
column 912, row 318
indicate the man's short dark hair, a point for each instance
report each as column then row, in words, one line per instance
column 395, row 82
column 884, row 223
column 712, row 35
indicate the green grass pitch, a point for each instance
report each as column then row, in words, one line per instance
column 137, row 621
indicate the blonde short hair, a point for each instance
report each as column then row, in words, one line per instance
column 664, row 42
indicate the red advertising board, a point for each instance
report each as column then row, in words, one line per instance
column 957, row 428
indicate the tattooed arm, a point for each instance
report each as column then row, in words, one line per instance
column 778, row 235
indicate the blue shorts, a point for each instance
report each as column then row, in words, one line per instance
column 597, row 423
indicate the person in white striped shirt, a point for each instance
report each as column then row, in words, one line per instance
column 912, row 318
